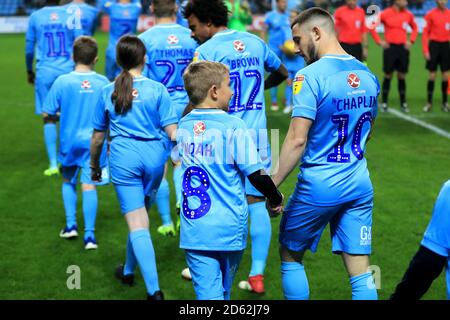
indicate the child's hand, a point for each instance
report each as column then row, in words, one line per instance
column 275, row 210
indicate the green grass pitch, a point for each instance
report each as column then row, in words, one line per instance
column 408, row 165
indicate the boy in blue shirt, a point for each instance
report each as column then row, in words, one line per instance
column 248, row 58
column 52, row 30
column 217, row 154
column 170, row 49
column 74, row 96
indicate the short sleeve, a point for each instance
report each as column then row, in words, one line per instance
column 52, row 102
column 100, row 120
column 246, row 156
column 305, row 90
column 166, row 111
column 271, row 60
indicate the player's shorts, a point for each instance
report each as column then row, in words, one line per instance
column 395, row 58
column 213, row 272
column 265, row 154
column 302, row 225
column 42, row 84
column 84, row 173
column 355, row 50
column 439, row 56
column 137, row 168
column 112, row 70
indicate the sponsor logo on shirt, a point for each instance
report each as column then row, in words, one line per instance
column 172, row 39
column 239, row 46
column 199, row 128
column 353, row 80
column 298, row 83
column 135, row 93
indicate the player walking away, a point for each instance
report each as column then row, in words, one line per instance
column 170, row 49
column 396, row 47
column 85, row 14
column 351, row 29
column 335, row 103
column 274, row 25
column 134, row 109
column 52, row 31
column 292, row 61
column 123, row 17
column 214, row 210
column 74, row 96
column 247, row 57
column 436, row 49
column 433, row 254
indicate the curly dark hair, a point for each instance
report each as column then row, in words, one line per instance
column 213, row 11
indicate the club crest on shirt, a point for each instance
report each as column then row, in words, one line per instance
column 239, row 46
column 298, row 83
column 353, row 80
column 85, row 85
column 135, row 93
column 199, row 128
column 172, row 39
column 54, row 16
column 126, row 13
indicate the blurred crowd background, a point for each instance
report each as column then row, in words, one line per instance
column 257, row 7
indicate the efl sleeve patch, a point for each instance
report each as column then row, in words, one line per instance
column 298, row 84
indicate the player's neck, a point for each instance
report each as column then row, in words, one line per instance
column 333, row 48
column 208, row 104
column 136, row 72
column 165, row 20
column 82, row 68
column 78, row 1
column 215, row 30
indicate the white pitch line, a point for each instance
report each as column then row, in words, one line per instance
column 421, row 123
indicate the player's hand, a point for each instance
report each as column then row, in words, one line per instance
column 30, row 77
column 275, row 211
column 408, row 45
column 427, row 56
column 384, row 44
column 96, row 174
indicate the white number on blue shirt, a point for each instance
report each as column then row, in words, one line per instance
column 199, row 191
column 237, row 86
column 342, row 121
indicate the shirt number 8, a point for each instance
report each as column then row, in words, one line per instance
column 199, row 191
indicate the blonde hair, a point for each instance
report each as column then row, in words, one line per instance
column 200, row 76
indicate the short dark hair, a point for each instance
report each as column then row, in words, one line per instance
column 85, row 50
column 311, row 13
column 164, row 8
column 214, row 11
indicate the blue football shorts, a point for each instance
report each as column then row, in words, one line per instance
column 213, row 272
column 302, row 225
column 137, row 168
